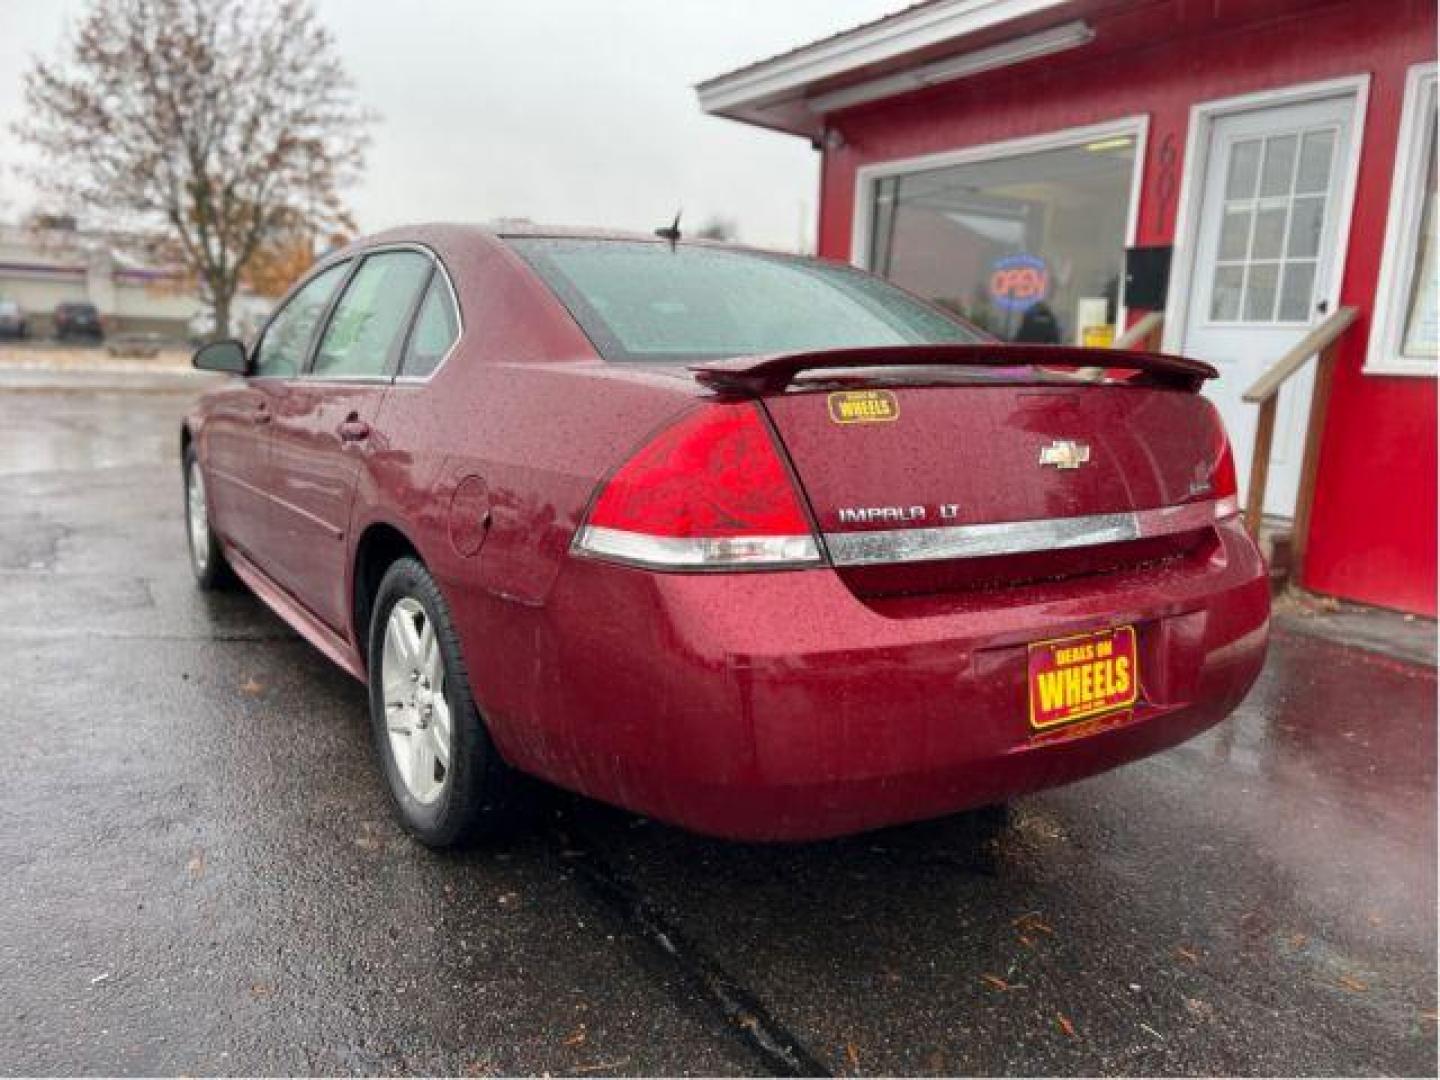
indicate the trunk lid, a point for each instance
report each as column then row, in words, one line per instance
column 970, row 473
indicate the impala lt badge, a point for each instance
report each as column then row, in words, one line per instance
column 1065, row 454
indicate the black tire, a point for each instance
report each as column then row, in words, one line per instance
column 480, row 796
column 207, row 560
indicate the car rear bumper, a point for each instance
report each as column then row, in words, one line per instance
column 781, row 706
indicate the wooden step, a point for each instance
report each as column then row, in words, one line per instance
column 1276, row 542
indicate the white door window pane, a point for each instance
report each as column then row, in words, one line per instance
column 1235, row 233
column 1307, row 218
column 1244, row 168
column 1279, row 169
column 1269, row 232
column 1313, row 174
column 1296, row 291
column 1260, row 285
column 1225, row 293
column 1273, row 226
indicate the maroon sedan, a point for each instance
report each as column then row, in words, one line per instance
column 755, row 544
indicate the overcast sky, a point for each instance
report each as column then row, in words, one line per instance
column 575, row 112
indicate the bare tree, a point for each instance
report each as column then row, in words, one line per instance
column 220, row 122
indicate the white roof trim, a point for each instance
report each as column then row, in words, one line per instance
column 1016, row 51
column 791, row 74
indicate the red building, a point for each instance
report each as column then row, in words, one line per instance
column 1244, row 168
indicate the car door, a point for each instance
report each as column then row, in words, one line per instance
column 237, row 431
column 322, row 431
column 246, row 504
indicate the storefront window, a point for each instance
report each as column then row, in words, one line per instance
column 1029, row 247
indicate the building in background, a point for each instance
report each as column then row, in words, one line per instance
column 1252, row 167
column 47, row 264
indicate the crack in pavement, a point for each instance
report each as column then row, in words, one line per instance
column 777, row 1048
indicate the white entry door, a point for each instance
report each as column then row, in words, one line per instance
column 1265, row 265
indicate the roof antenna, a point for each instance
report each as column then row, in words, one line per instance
column 671, row 232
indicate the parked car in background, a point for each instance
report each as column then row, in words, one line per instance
column 755, row 544
column 12, row 320
column 78, row 320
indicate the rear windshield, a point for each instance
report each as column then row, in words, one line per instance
column 646, row 302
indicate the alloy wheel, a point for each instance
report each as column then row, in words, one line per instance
column 198, row 519
column 417, row 715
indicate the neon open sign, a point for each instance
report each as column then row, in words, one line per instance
column 1018, row 281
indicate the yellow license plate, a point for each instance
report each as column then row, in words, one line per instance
column 1084, row 675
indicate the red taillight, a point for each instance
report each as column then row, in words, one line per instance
column 1222, row 475
column 710, row 492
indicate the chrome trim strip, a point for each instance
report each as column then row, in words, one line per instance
column 695, row 553
column 1018, row 537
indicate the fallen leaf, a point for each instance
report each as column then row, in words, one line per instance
column 1029, row 943
column 196, row 865
column 1066, row 1026
column 852, row 1055
column 1201, row 1010
column 995, row 981
column 1186, row 954
column 252, row 687
column 1297, row 941
column 1351, row 983
column 577, row 1038
column 1031, row 921
column 259, row 991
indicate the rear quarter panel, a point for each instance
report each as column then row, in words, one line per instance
column 487, row 469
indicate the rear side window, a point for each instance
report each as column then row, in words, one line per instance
column 640, row 301
column 365, row 331
column 287, row 339
column 436, row 328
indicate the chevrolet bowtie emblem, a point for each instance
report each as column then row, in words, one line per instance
column 1065, row 454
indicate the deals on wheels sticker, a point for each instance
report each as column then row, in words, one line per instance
column 863, row 406
column 1082, row 676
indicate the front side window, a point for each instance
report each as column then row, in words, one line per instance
column 370, row 319
column 1030, row 246
column 1405, row 333
column 642, row 301
column 287, row 339
column 436, row 328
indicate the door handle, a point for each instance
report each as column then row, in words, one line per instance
column 353, row 430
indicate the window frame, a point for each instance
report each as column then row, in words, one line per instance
column 1408, row 183
column 392, row 362
column 354, row 258
column 320, row 324
column 438, row 269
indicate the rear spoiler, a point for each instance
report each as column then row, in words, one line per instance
column 771, row 374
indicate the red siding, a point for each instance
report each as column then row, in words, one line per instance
column 1374, row 537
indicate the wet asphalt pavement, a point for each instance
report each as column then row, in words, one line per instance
column 198, row 872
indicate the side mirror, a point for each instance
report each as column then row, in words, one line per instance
column 226, row 356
